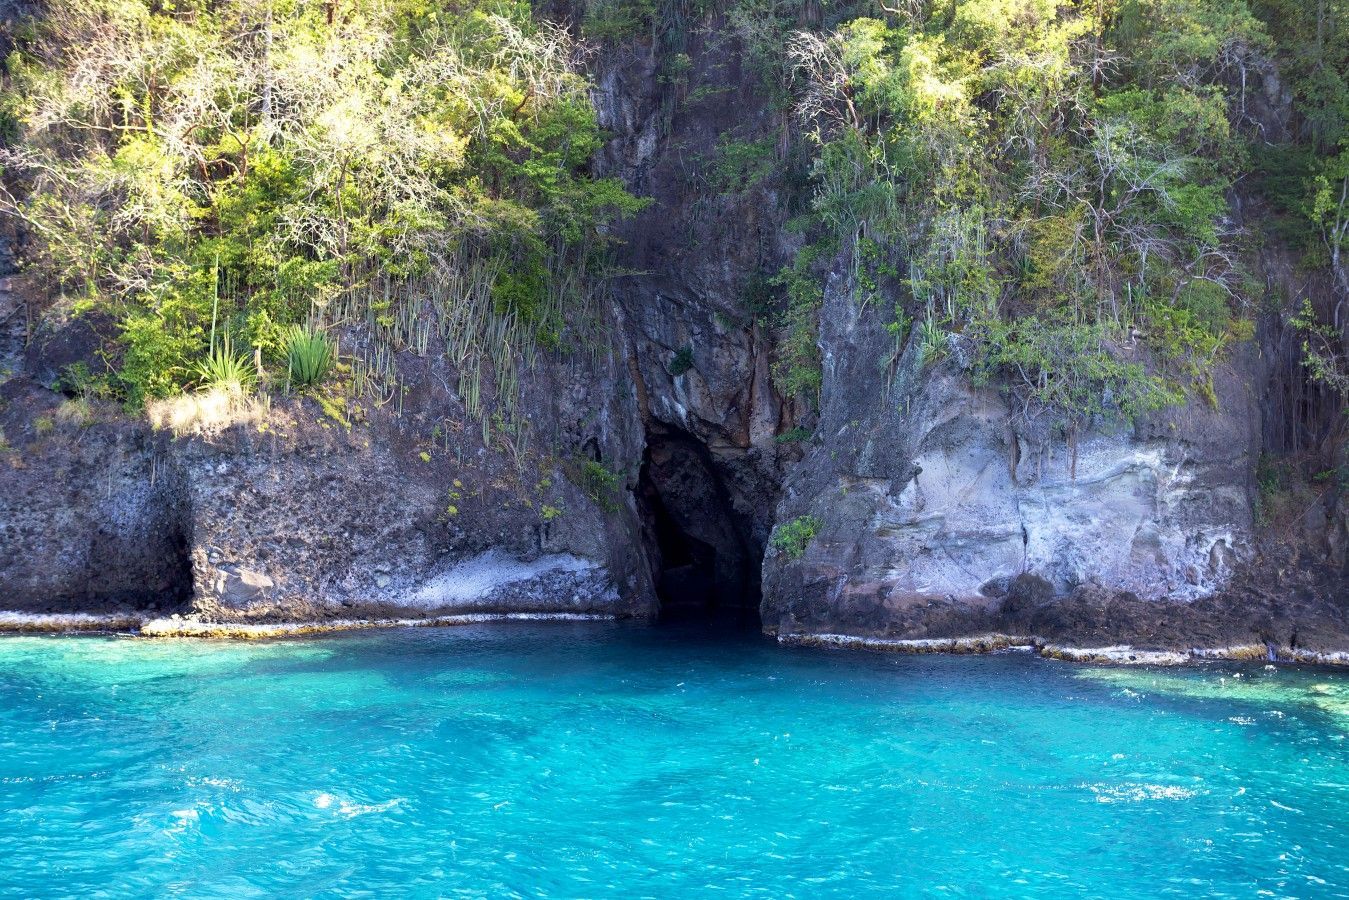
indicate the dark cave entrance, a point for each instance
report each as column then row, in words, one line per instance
column 704, row 560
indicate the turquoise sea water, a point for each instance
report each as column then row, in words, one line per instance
column 569, row 760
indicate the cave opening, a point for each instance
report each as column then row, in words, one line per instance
column 704, row 560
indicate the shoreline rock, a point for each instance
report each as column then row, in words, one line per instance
column 177, row 627
column 1114, row 655
column 160, row 627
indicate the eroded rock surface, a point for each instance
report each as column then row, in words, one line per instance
column 292, row 515
column 934, row 497
column 943, row 511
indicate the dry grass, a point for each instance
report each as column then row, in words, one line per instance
column 207, row 413
column 78, row 413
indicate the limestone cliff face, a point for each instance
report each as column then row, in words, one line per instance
column 941, row 509
column 699, row 358
column 936, row 500
column 286, row 514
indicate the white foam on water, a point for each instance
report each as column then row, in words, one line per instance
column 228, row 784
column 1137, row 793
column 349, row 809
column 170, row 627
column 352, row 810
column 986, row 643
column 474, row 618
column 476, row 578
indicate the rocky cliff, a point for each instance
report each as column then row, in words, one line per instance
column 659, row 468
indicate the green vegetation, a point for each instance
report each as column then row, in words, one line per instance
column 794, row 536
column 419, row 169
column 1308, row 178
column 78, row 381
column 309, row 355
column 225, row 370
column 1047, row 180
column 793, row 436
column 600, row 483
column 797, row 369
column 1322, row 350
column 740, row 165
column 1283, row 493
column 1050, row 180
column 1036, row 188
column 682, row 361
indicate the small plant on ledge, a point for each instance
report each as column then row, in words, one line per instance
column 682, row 362
column 224, row 370
column 791, row 538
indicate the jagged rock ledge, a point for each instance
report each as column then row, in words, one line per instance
column 1118, row 655
column 68, row 623
column 179, row 627
column 987, row 643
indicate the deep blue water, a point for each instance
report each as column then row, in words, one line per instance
column 605, row 760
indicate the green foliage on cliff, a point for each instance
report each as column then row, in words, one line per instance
column 1043, row 182
column 1049, row 179
column 600, row 483
column 309, row 355
column 797, row 369
column 303, row 162
column 791, row 538
column 225, row 369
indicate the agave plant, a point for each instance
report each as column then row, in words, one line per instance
column 932, row 340
column 309, row 355
column 226, row 370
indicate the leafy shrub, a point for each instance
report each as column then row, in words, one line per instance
column 78, row 381
column 1069, row 370
column 615, row 21
column 309, row 355
column 156, row 359
column 791, row 538
column 741, row 164
column 798, row 367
